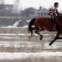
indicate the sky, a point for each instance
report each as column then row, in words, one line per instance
column 36, row 3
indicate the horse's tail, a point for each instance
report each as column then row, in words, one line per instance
column 31, row 23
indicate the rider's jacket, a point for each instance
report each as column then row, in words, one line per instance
column 52, row 12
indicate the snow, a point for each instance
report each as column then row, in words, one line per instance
column 24, row 55
column 18, row 44
column 16, row 23
column 26, row 26
column 28, row 21
column 31, row 44
column 13, row 34
column 12, row 26
column 22, row 34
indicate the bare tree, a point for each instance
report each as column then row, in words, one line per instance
column 16, row 5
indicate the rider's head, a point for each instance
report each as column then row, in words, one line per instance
column 56, row 4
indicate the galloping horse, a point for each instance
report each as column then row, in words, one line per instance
column 43, row 23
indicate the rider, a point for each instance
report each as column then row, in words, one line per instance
column 53, row 12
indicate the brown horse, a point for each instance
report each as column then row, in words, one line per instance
column 43, row 23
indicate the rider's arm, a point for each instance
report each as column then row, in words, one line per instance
column 50, row 11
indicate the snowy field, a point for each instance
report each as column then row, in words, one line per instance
column 24, row 55
column 15, row 46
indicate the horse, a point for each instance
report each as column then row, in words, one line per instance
column 44, row 23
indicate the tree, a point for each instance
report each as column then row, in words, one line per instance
column 27, row 12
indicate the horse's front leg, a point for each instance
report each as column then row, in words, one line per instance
column 57, row 36
column 37, row 32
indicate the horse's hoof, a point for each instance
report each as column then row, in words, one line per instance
column 50, row 43
column 59, row 37
column 41, row 37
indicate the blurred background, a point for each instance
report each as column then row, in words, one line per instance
column 18, row 13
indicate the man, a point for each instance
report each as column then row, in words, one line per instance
column 53, row 12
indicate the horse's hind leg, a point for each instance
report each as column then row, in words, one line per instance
column 37, row 32
column 61, row 35
column 31, row 34
column 57, row 36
